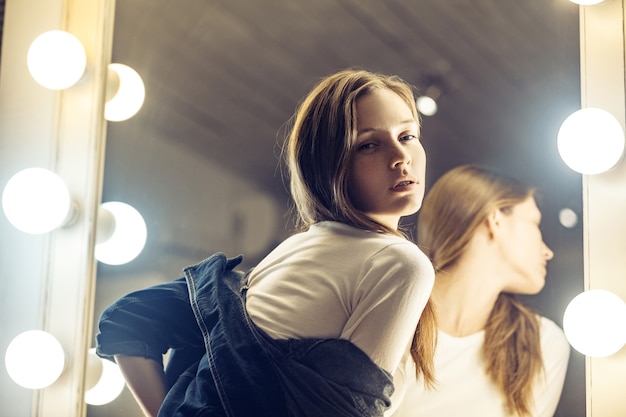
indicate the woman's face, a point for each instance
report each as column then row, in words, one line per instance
column 523, row 248
column 388, row 163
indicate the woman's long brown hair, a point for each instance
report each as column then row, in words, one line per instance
column 452, row 211
column 317, row 151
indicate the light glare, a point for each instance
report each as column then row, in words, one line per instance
column 56, row 59
column 594, row 323
column 568, row 218
column 127, row 239
column 36, row 200
column 587, row 2
column 591, row 141
column 129, row 95
column 426, row 105
column 34, row 359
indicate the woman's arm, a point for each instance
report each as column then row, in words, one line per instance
column 146, row 380
column 139, row 328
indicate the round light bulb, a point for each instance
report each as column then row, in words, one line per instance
column 128, row 93
column 591, row 141
column 587, row 2
column 36, row 200
column 105, row 380
column 568, row 218
column 34, row 359
column 56, row 59
column 426, row 105
column 128, row 237
column 594, row 323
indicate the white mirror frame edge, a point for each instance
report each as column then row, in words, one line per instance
column 51, row 278
column 68, row 135
column 602, row 51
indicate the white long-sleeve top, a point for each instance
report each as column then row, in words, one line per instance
column 338, row 281
column 463, row 387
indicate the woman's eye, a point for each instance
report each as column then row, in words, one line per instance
column 365, row 146
column 405, row 138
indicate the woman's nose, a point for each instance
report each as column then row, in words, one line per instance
column 547, row 252
column 401, row 156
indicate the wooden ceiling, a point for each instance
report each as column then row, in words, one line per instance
column 222, row 77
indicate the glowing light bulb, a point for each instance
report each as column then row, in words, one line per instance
column 121, row 233
column 587, row 2
column 127, row 93
column 568, row 218
column 56, row 59
column 105, row 381
column 36, row 200
column 591, row 141
column 34, row 359
column 594, row 323
column 426, row 105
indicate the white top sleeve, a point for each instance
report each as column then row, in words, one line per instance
column 387, row 304
column 337, row 281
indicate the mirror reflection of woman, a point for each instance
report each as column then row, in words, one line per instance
column 495, row 356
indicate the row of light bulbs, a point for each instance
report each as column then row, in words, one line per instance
column 591, row 141
column 37, row 201
column 57, row 60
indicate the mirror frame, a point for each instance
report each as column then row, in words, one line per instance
column 62, row 263
column 602, row 51
column 48, row 281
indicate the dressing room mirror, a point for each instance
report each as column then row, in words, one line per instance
column 200, row 160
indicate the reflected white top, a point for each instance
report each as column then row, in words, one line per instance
column 338, row 281
column 464, row 389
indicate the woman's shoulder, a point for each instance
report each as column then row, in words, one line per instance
column 405, row 251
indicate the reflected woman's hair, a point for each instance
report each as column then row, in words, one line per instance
column 453, row 210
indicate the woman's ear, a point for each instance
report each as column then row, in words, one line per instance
column 493, row 222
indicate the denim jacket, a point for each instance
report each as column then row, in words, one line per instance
column 223, row 365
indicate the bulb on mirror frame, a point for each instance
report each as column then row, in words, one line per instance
column 121, row 233
column 34, row 359
column 125, row 93
column 104, row 381
column 588, row 2
column 56, row 59
column 36, row 200
column 594, row 323
column 591, row 141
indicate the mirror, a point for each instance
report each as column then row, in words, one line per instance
column 200, row 159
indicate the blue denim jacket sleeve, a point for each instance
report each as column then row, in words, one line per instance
column 148, row 322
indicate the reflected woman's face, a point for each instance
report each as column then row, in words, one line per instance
column 523, row 248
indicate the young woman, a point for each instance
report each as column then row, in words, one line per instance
column 321, row 324
column 495, row 356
